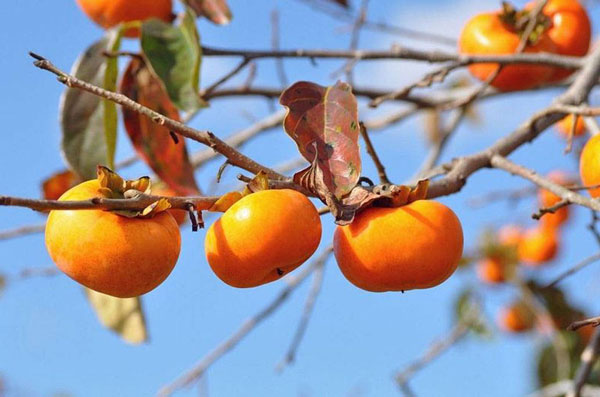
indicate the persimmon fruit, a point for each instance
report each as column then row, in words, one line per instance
column 262, row 237
column 414, row 246
column 109, row 13
column 569, row 29
column 489, row 34
column 589, row 165
column 491, row 270
column 110, row 253
column 548, row 199
column 565, row 126
column 539, row 245
column 516, row 318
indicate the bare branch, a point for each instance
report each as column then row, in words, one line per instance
column 293, row 282
column 309, row 306
column 383, row 178
column 589, row 356
column 561, row 191
column 138, row 203
column 205, row 137
column 575, row 325
column 398, row 52
column 587, row 261
column 550, row 210
column 22, row 231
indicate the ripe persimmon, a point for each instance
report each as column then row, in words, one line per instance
column 565, row 126
column 492, row 34
column 491, row 270
column 110, row 253
column 569, row 29
column 516, row 317
column 414, row 246
column 263, row 236
column 109, row 13
column 589, row 165
column 180, row 216
column 538, row 246
column 547, row 199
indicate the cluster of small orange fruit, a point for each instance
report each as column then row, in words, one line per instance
column 537, row 245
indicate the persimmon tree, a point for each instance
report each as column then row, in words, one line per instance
column 391, row 235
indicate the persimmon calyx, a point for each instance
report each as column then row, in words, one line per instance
column 114, row 187
column 517, row 20
column 258, row 183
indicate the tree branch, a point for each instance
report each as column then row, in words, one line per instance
column 293, row 282
column 588, row 359
column 205, row 137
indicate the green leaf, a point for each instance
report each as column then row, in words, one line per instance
column 83, row 140
column 467, row 310
column 174, row 55
column 123, row 316
column 2, row 283
column 110, row 108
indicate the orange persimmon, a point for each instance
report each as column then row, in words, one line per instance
column 414, row 246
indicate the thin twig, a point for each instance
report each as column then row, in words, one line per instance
column 22, row 231
column 398, row 52
column 138, row 203
column 459, row 331
column 587, row 261
column 592, row 226
column 383, row 178
column 589, row 356
column 437, row 148
column 309, row 306
column 575, row 325
column 550, row 210
column 500, row 162
column 225, row 78
column 275, row 33
column 293, row 281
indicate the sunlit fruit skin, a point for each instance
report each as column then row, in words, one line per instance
column 547, row 199
column 262, row 237
column 109, row 13
column 180, row 216
column 570, row 31
column 538, row 246
column 565, row 125
column 491, row 270
column 486, row 34
column 589, row 165
column 109, row 253
column 516, row 319
column 414, row 246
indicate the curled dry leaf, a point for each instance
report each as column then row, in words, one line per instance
column 153, row 142
column 216, row 11
column 113, row 186
column 381, row 196
column 323, row 121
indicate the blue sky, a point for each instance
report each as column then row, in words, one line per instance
column 50, row 340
